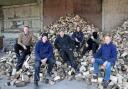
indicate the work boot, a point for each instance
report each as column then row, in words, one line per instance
column 77, row 71
column 36, row 83
column 48, row 76
column 95, row 78
column 36, row 86
column 105, row 84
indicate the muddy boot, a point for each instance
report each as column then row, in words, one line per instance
column 36, row 86
column 105, row 84
column 47, row 78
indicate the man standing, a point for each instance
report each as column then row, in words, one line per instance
column 64, row 45
column 43, row 55
column 25, row 40
column 106, row 57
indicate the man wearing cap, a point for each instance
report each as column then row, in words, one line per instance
column 43, row 55
column 64, row 45
column 25, row 40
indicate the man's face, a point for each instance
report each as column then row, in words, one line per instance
column 107, row 39
column 44, row 39
column 78, row 29
column 61, row 33
column 26, row 30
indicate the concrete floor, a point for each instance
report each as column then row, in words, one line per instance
column 65, row 84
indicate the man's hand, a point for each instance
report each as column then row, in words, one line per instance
column 26, row 64
column 44, row 61
column 92, row 37
column 86, row 45
column 76, row 40
column 24, row 47
column 92, row 60
column 70, row 49
column 104, row 65
column 56, row 50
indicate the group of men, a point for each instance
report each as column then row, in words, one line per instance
column 105, row 56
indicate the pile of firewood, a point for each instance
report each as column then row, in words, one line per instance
column 61, row 71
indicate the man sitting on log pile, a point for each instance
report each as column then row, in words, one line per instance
column 25, row 40
column 78, row 38
column 64, row 45
column 106, row 57
column 43, row 55
column 92, row 44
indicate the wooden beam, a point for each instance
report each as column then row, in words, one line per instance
column 16, row 2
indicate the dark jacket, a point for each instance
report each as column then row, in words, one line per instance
column 78, row 35
column 95, row 40
column 43, row 50
column 107, row 52
column 64, row 43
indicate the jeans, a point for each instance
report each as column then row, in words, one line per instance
column 99, row 62
column 50, row 63
column 21, row 56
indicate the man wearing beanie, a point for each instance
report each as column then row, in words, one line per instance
column 43, row 55
column 92, row 44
